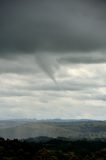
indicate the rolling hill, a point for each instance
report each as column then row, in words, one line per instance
column 72, row 129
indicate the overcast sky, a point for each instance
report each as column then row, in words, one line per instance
column 53, row 59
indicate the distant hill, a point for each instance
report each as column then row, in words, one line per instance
column 72, row 129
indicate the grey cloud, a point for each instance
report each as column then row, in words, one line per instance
column 101, row 97
column 93, row 96
column 49, row 34
column 32, row 95
column 38, row 85
column 14, row 93
column 58, row 26
column 91, row 58
column 20, row 65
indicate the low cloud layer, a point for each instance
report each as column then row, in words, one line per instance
column 79, row 92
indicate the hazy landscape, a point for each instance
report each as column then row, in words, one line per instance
column 72, row 129
column 54, row 139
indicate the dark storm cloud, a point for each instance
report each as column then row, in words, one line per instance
column 52, row 25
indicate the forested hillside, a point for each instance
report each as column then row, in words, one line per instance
column 55, row 149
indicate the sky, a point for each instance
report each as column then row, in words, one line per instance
column 53, row 59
